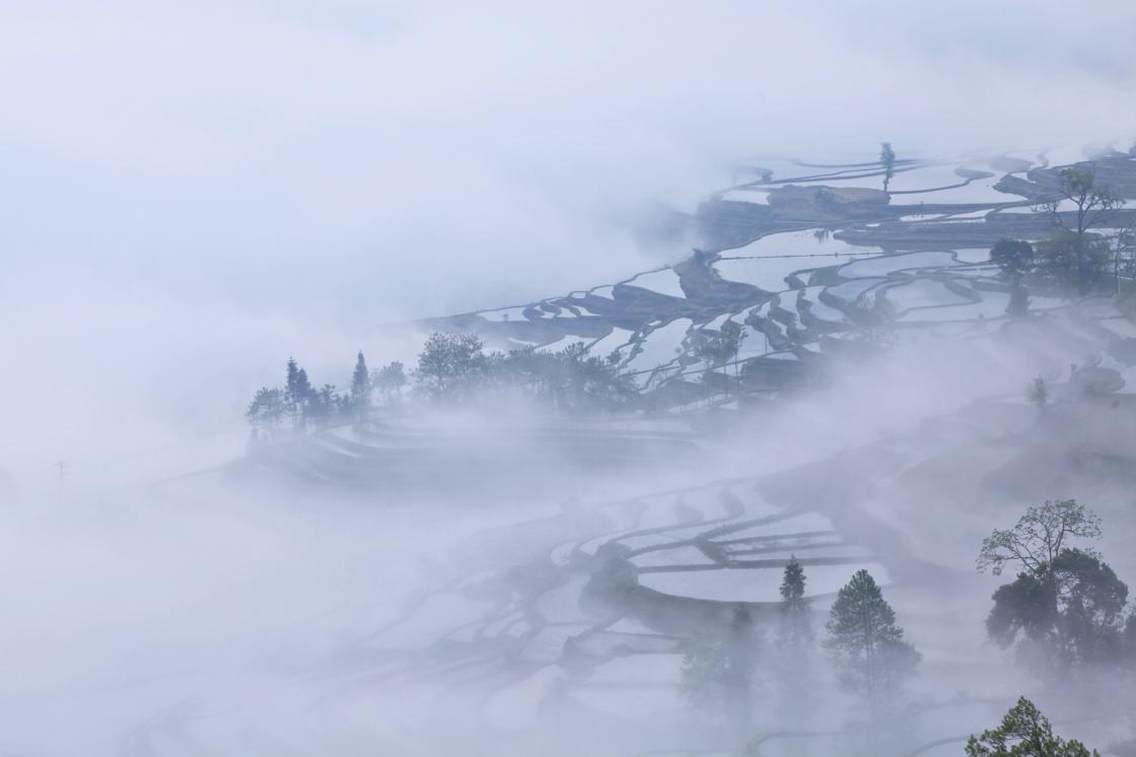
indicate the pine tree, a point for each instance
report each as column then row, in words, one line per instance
column 1024, row 732
column 866, row 644
column 793, row 583
column 297, row 393
column 360, row 387
column 794, row 606
column 793, row 666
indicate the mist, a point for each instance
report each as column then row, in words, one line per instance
column 196, row 192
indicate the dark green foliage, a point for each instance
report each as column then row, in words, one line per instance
column 793, row 582
column 1024, row 732
column 1090, row 600
column 794, row 607
column 1014, row 258
column 1068, row 613
column 1065, row 608
column 866, row 644
column 1025, row 608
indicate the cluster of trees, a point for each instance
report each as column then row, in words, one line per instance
column 1087, row 251
column 716, row 350
column 1065, row 610
column 452, row 369
column 455, row 369
column 863, row 640
column 301, row 405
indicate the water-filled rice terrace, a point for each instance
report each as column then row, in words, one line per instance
column 598, row 601
column 803, row 257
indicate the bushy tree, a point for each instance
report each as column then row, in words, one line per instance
column 1066, row 606
column 1038, row 537
column 1015, row 259
column 450, row 366
column 1069, row 614
column 568, row 381
column 716, row 349
column 1024, row 732
column 325, row 406
column 867, row 645
column 390, row 379
column 266, row 408
column 1074, row 256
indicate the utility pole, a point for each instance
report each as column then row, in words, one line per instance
column 62, row 467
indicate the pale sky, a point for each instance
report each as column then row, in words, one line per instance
column 194, row 190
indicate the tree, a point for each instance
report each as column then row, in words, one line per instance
column 793, row 582
column 450, row 366
column 389, row 380
column 1072, row 615
column 297, row 393
column 266, row 408
column 887, row 160
column 794, row 606
column 1037, row 392
column 718, row 669
column 1066, row 606
column 1073, row 256
column 324, row 405
column 1024, row 732
column 866, row 644
column 718, row 349
column 1038, row 537
column 360, row 387
column 1014, row 259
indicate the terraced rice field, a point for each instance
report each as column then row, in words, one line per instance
column 808, row 253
